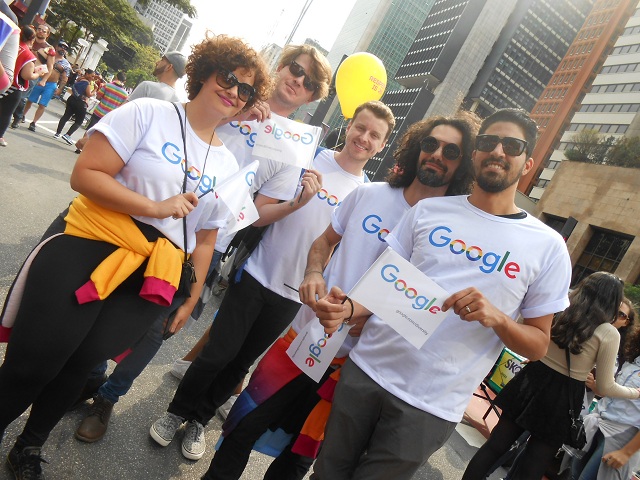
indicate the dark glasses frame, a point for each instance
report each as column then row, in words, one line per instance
column 511, row 146
column 623, row 315
column 227, row 79
column 298, row 71
column 450, row 151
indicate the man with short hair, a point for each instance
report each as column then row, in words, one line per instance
column 42, row 94
column 433, row 159
column 45, row 55
column 167, row 71
column 395, row 404
column 259, row 306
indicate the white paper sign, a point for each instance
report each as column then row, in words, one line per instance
column 313, row 350
column 286, row 141
column 402, row 296
column 234, row 192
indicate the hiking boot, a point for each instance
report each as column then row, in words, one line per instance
column 164, row 429
column 90, row 390
column 94, row 426
column 193, row 444
column 25, row 463
column 32, row 127
column 68, row 139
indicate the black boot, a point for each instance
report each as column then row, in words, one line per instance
column 25, row 463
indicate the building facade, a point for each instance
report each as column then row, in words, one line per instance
column 605, row 201
column 611, row 104
column 570, row 82
column 171, row 27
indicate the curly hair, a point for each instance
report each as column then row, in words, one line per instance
column 595, row 301
column 319, row 71
column 406, row 155
column 630, row 335
column 218, row 52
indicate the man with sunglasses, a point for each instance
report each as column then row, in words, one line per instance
column 303, row 75
column 395, row 405
column 432, row 160
column 42, row 94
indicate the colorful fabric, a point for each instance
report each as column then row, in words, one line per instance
column 111, row 96
column 88, row 220
column 274, row 371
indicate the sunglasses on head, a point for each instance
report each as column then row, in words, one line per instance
column 297, row 71
column 623, row 315
column 430, row 144
column 510, row 145
column 227, row 79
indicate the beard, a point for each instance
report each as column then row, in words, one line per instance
column 432, row 178
column 494, row 182
column 159, row 70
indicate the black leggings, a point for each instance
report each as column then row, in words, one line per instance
column 531, row 463
column 8, row 104
column 76, row 108
column 56, row 342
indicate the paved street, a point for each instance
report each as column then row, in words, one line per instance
column 34, row 188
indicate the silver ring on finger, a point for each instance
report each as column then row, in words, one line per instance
column 467, row 309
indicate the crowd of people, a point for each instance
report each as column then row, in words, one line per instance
column 141, row 246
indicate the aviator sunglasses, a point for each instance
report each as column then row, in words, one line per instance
column 510, row 145
column 430, row 144
column 623, row 315
column 298, row 71
column 227, row 79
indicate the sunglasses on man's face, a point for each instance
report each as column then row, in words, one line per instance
column 227, row 79
column 298, row 71
column 510, row 145
column 430, row 144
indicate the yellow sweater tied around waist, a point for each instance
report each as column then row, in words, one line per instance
column 89, row 220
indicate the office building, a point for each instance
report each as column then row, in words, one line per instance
column 171, row 27
column 576, row 99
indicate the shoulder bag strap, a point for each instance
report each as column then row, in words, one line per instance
column 184, row 181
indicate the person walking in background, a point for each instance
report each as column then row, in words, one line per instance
column 110, row 96
column 76, row 107
column 433, row 159
column 613, row 429
column 24, row 72
column 143, row 206
column 537, row 399
column 168, row 70
column 395, row 404
column 42, row 94
column 45, row 56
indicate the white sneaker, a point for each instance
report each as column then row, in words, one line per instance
column 193, row 443
column 164, row 429
column 225, row 408
column 67, row 139
column 179, row 368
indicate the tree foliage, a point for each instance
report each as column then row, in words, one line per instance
column 632, row 292
column 184, row 5
column 589, row 146
column 625, row 153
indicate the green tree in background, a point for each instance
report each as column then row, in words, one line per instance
column 632, row 292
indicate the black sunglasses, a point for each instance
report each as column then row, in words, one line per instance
column 623, row 315
column 297, row 71
column 430, row 144
column 510, row 145
column 227, row 79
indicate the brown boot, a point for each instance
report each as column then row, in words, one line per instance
column 94, row 426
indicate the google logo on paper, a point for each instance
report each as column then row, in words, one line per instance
column 315, row 348
column 390, row 273
column 306, row 138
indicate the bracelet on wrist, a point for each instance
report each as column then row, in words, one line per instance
column 307, row 272
column 348, row 319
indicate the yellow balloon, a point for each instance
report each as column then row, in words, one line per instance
column 361, row 78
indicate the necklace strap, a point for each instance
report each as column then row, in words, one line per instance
column 184, row 181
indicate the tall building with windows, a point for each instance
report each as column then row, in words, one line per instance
column 572, row 79
column 612, row 103
column 384, row 28
column 171, row 27
column 483, row 55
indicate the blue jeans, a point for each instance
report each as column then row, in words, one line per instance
column 132, row 365
column 586, row 468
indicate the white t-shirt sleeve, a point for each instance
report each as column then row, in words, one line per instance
column 124, row 128
column 401, row 237
column 281, row 185
column 342, row 213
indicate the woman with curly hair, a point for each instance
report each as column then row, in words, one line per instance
column 92, row 292
column 613, row 430
column 537, row 399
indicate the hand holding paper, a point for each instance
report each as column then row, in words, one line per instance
column 311, row 184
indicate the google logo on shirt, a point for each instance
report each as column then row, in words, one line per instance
column 245, row 129
column 332, row 200
column 172, row 154
column 369, row 226
column 390, row 273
